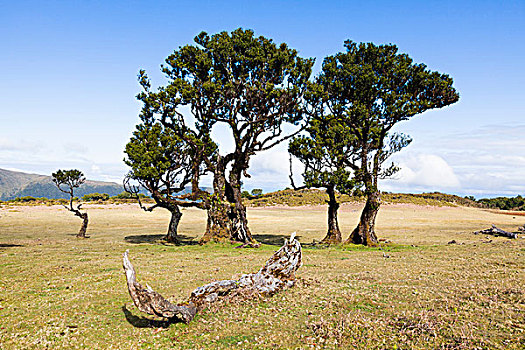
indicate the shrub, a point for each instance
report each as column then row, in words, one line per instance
column 95, row 197
column 128, row 195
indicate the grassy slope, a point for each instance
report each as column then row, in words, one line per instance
column 319, row 197
column 60, row 292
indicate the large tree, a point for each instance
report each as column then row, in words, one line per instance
column 169, row 167
column 247, row 83
column 66, row 181
column 370, row 89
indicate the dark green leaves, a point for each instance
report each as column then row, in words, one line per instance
column 70, row 178
column 354, row 102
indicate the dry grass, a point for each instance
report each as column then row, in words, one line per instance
column 60, row 292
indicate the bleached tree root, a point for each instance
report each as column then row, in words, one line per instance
column 497, row 232
column 277, row 274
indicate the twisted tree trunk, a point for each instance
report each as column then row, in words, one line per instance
column 277, row 274
column 227, row 218
column 218, row 224
column 240, row 231
column 172, row 235
column 333, row 236
column 364, row 233
column 83, row 228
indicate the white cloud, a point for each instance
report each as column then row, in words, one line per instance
column 271, row 169
column 488, row 161
column 422, row 172
column 75, row 148
column 95, row 169
column 428, row 170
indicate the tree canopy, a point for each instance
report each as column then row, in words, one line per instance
column 360, row 95
column 248, row 83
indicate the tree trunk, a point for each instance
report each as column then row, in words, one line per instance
column 226, row 213
column 277, row 274
column 218, row 224
column 333, row 236
column 171, row 235
column 83, row 228
column 364, row 232
column 238, row 219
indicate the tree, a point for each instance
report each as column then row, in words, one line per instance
column 324, row 150
column 67, row 181
column 256, row 192
column 164, row 164
column 277, row 274
column 247, row 83
column 370, row 89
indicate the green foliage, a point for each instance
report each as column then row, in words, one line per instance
column 153, row 152
column 368, row 89
column 128, row 195
column 325, row 151
column 28, row 199
column 245, row 194
column 504, row 203
column 242, row 78
column 95, row 197
column 257, row 192
column 248, row 83
column 164, row 162
column 68, row 180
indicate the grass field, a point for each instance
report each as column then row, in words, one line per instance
column 419, row 292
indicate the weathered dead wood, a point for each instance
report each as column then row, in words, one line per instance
column 277, row 274
column 494, row 231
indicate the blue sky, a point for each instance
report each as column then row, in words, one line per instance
column 69, row 79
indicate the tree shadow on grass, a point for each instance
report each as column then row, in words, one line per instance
column 277, row 240
column 9, row 245
column 160, row 240
column 143, row 322
column 76, row 235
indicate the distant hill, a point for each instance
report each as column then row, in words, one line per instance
column 15, row 184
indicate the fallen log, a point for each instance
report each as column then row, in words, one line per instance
column 494, row 231
column 277, row 274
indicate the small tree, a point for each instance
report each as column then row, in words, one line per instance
column 369, row 89
column 164, row 164
column 256, row 192
column 324, row 151
column 67, row 181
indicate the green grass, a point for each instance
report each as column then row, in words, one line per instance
column 59, row 292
